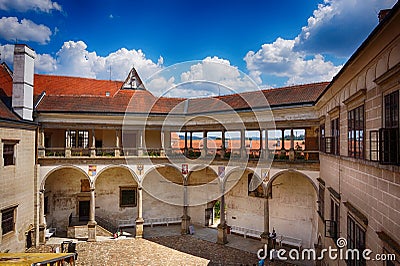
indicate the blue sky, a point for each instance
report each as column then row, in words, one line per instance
column 276, row 43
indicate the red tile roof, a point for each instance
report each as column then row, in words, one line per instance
column 63, row 85
column 73, row 94
column 6, row 113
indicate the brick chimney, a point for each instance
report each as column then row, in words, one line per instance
column 382, row 14
column 22, row 94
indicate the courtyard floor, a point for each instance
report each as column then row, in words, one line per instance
column 163, row 245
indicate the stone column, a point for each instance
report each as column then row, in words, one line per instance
column 167, row 142
column 92, row 220
column 139, row 219
column 191, row 140
column 222, row 237
column 93, row 146
column 140, row 143
column 42, row 221
column 185, row 217
column 283, row 151
column 291, row 151
column 261, row 145
column 68, row 144
column 223, row 148
column 265, row 239
column 117, row 151
column 243, row 152
column 204, row 150
column 41, row 148
column 186, row 144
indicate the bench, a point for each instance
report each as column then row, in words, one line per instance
column 289, row 241
column 50, row 232
column 246, row 232
column 161, row 221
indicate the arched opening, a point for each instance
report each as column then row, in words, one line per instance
column 116, row 196
column 66, row 198
column 203, row 190
column 293, row 206
column 245, row 201
column 162, row 193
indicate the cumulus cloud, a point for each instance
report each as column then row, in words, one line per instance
column 336, row 28
column 339, row 26
column 26, row 30
column 279, row 59
column 74, row 59
column 25, row 5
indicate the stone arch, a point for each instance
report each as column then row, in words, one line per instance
column 134, row 175
column 269, row 184
column 162, row 192
column 61, row 167
column 67, row 196
column 116, row 193
column 158, row 166
column 293, row 206
column 257, row 179
column 193, row 176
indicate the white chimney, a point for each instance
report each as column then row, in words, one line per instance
column 22, row 94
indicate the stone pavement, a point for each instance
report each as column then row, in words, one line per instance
column 164, row 245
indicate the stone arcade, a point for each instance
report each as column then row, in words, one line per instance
column 73, row 161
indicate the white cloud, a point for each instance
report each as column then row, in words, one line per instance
column 11, row 29
column 25, row 5
column 74, row 59
column 218, row 70
column 339, row 26
column 279, row 59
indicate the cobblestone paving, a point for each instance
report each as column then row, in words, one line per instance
column 162, row 250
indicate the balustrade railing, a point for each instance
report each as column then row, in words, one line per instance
column 192, row 153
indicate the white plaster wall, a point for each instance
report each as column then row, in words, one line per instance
column 243, row 210
column 293, row 208
column 108, row 185
column 155, row 208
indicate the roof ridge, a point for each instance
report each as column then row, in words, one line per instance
column 75, row 77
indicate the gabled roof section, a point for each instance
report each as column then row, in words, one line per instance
column 133, row 81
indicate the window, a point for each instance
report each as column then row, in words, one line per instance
column 8, row 220
column 321, row 201
column 355, row 240
column 391, row 102
column 78, row 138
column 322, row 137
column 335, row 218
column 127, row 197
column 9, row 153
column 374, row 145
column 356, row 132
column 389, row 135
column 335, row 133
